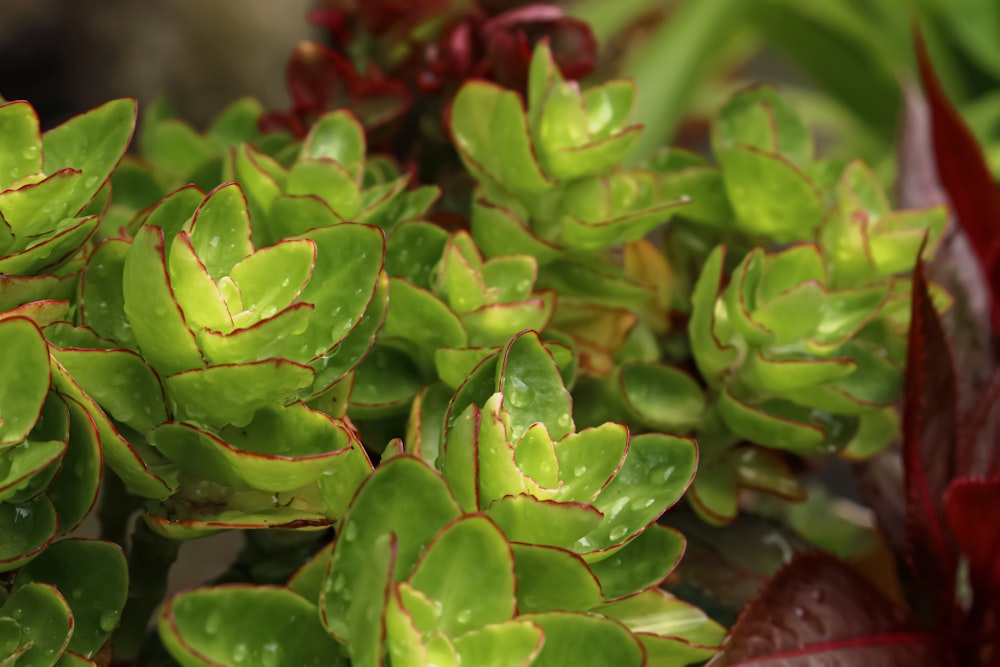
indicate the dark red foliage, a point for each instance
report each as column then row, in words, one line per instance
column 319, row 80
column 930, row 438
column 818, row 611
column 963, row 172
column 473, row 41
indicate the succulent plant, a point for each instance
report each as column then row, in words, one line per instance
column 513, row 539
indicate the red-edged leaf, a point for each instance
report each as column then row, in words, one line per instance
column 930, row 438
column 973, row 510
column 964, row 174
column 956, row 267
column 817, row 611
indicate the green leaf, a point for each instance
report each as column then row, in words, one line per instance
column 47, row 250
column 453, row 365
column 467, row 572
column 385, row 383
column 156, row 320
column 511, row 644
column 93, row 142
column 420, row 317
column 292, row 216
column 19, row 290
column 333, row 365
column 494, row 324
column 24, row 358
column 281, row 449
column 121, row 383
column 641, row 564
column 237, row 123
column 143, row 474
column 102, row 295
column 657, row 470
column 490, row 132
column 713, row 358
column 413, row 251
column 330, row 182
column 96, row 600
column 19, row 152
column 662, row 397
column 45, row 621
column 349, row 259
column 553, row 579
column 258, row 275
column 21, row 464
column 526, row 519
column 75, row 487
column 787, row 375
column 241, row 624
column 31, row 527
column 578, row 639
column 532, row 388
column 174, row 147
column 760, row 118
column 588, row 460
column 174, row 212
column 766, row 429
column 337, row 136
column 500, row 231
column 771, row 197
column 703, row 187
column 673, row 632
column 230, row 394
column 220, row 231
column 403, row 497
column 425, row 429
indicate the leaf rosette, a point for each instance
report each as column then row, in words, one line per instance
column 451, row 309
column 329, row 182
column 49, row 206
column 225, row 340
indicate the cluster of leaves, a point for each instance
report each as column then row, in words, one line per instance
column 940, row 521
column 238, row 323
column 505, row 538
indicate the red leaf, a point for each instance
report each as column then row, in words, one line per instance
column 973, row 509
column 818, row 612
column 930, row 438
column 963, row 171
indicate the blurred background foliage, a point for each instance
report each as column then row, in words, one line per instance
column 842, row 63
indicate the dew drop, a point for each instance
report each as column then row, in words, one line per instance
column 240, row 652
column 108, row 620
column 464, row 616
column 271, row 654
column 212, row 623
column 518, row 392
column 618, row 532
column 350, row 532
column 579, row 471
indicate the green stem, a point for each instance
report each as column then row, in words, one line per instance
column 117, row 505
column 148, row 566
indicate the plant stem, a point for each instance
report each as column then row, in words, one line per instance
column 148, row 566
column 117, row 505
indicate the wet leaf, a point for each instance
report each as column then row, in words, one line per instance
column 242, row 624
